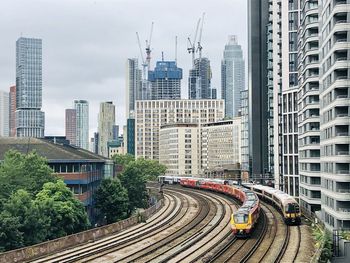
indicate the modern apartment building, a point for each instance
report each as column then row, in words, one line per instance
column 258, row 13
column 106, row 122
column 334, row 74
column 179, row 148
column 199, row 80
column 82, row 128
column 232, row 77
column 220, row 144
column 166, row 81
column 309, row 107
column 152, row 114
column 4, row 114
column 71, row 126
column 12, row 111
column 30, row 120
column 133, row 85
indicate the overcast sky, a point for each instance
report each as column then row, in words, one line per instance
column 86, row 44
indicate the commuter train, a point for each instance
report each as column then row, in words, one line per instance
column 287, row 205
column 244, row 219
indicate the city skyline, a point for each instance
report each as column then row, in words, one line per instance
column 81, row 59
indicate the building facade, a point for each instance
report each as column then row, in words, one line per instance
column 82, row 127
column 71, row 126
column 199, row 80
column 133, row 85
column 30, row 120
column 258, row 13
column 334, row 53
column 165, row 80
column 4, row 114
column 245, row 155
column 309, row 108
column 151, row 115
column 130, row 136
column 220, row 144
column 13, row 111
column 179, row 149
column 232, row 77
column 106, row 122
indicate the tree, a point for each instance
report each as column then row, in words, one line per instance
column 112, row 199
column 123, row 159
column 67, row 214
column 23, row 171
column 10, row 236
column 151, row 169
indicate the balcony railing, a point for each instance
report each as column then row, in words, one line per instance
column 342, row 134
column 343, row 153
column 343, row 172
column 343, row 190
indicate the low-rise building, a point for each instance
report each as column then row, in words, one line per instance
column 80, row 169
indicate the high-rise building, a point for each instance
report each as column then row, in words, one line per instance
column 179, row 149
column 4, row 114
column 30, row 120
column 199, row 80
column 71, row 126
column 13, row 111
column 334, row 126
column 115, row 132
column 166, row 81
column 133, row 85
column 258, row 14
column 245, row 156
column 130, row 136
column 82, row 127
column 152, row 114
column 232, row 77
column 106, row 121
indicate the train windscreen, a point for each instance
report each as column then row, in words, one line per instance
column 292, row 208
column 240, row 218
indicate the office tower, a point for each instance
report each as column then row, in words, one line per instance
column 71, row 126
column 184, row 140
column 245, row 133
column 133, row 85
column 115, row 132
column 82, row 127
column 334, row 83
column 106, row 121
column 232, row 77
column 151, row 115
column 30, row 120
column 309, row 109
column 130, row 145
column 257, row 84
column 13, row 111
column 220, row 145
column 199, row 80
column 4, row 114
column 96, row 139
column 166, row 81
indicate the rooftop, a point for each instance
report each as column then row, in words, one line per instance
column 51, row 151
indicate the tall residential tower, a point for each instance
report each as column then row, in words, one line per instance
column 82, row 128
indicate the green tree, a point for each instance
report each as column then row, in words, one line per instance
column 151, row 169
column 10, row 236
column 123, row 159
column 20, row 171
column 112, row 200
column 67, row 214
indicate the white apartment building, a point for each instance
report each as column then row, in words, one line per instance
column 152, row 114
column 106, row 121
column 4, row 114
column 334, row 46
column 179, row 149
column 220, row 144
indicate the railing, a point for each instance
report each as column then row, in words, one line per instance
column 341, row 40
column 342, row 115
column 341, row 21
column 342, row 153
column 342, row 134
column 343, row 172
column 343, row 210
column 342, row 96
column 343, row 190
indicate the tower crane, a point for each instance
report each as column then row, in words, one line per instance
column 200, row 47
column 148, row 47
column 144, row 64
column 192, row 44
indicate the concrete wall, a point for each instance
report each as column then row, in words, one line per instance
column 52, row 246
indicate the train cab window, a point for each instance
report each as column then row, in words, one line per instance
column 292, row 208
column 241, row 218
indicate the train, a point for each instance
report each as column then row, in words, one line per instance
column 244, row 219
column 287, row 205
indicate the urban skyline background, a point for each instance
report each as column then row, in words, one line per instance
column 85, row 52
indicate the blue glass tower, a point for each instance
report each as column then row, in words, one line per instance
column 30, row 120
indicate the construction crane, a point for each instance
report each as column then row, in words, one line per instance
column 144, row 64
column 199, row 48
column 192, row 44
column 148, row 47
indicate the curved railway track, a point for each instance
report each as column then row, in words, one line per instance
column 193, row 226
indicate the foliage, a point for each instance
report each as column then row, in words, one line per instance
column 324, row 240
column 151, row 169
column 123, row 159
column 345, row 235
column 112, row 200
column 67, row 214
column 19, row 171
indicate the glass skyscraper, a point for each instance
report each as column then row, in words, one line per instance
column 82, row 125
column 30, row 120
